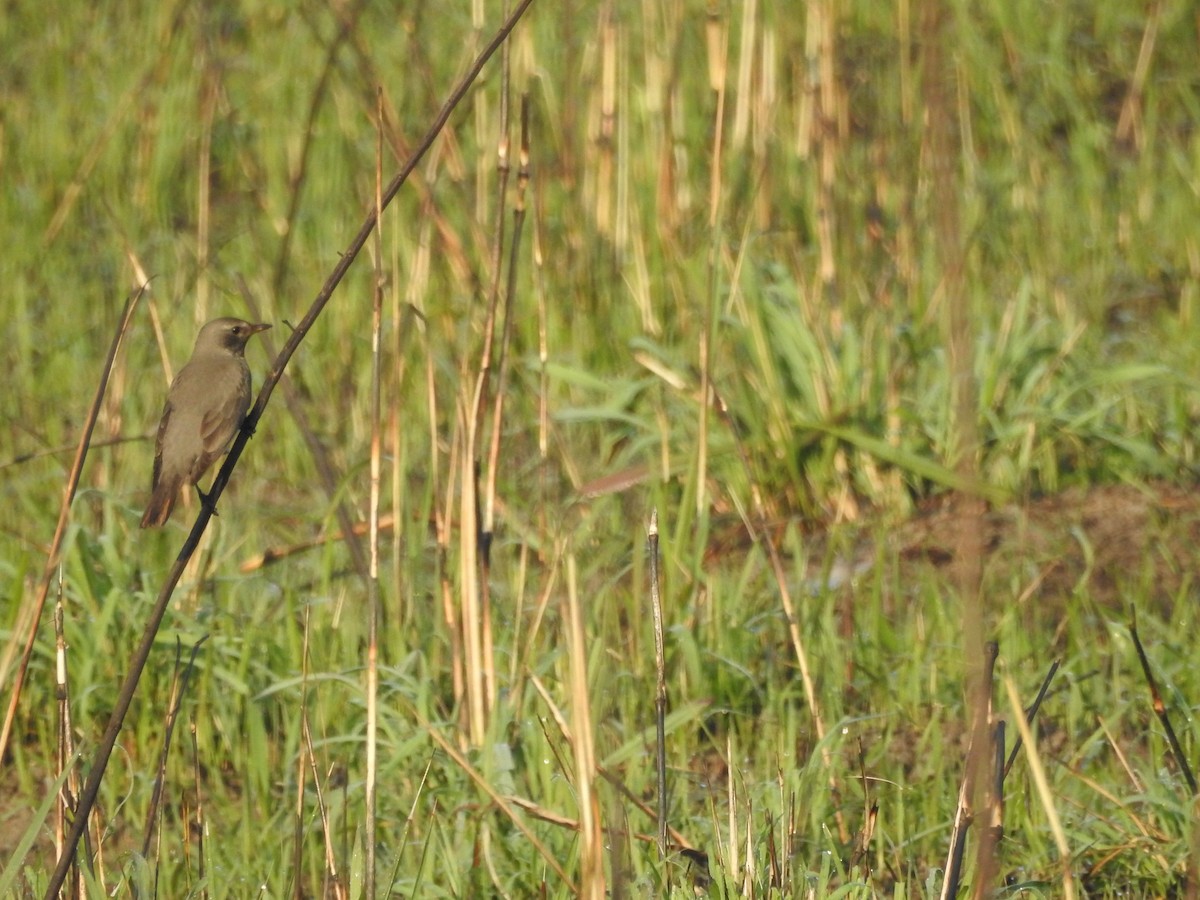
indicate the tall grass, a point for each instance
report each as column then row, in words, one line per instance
column 725, row 306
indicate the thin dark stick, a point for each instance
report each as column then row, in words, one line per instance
column 1160, row 710
column 483, row 379
column 487, row 523
column 502, row 364
column 996, row 813
column 503, row 169
column 660, row 696
column 180, row 690
column 198, row 819
column 958, row 846
column 23, row 458
column 104, row 750
column 1031, row 714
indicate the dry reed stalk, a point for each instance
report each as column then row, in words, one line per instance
column 1129, row 124
column 376, row 466
column 822, row 110
column 502, row 366
column 469, row 605
column 604, row 136
column 198, row 822
column 478, row 499
column 744, row 92
column 591, row 830
column 947, row 114
column 660, row 694
column 1045, row 795
column 65, row 802
column 444, row 519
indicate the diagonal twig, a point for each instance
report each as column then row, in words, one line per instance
column 1031, row 714
column 1160, row 710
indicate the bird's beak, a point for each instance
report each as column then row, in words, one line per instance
column 261, row 326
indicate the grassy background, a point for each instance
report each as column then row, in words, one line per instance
column 707, row 206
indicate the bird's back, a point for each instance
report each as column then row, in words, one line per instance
column 207, row 401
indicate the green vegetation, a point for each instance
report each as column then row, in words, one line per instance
column 729, row 307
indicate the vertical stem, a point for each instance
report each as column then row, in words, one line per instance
column 821, row 34
column 591, row 832
column 373, row 515
column 944, row 153
column 660, row 668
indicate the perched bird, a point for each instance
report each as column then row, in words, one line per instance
column 205, row 406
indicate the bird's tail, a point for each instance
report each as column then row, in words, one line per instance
column 162, row 501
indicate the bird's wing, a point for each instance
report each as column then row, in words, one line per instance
column 221, row 422
column 158, row 443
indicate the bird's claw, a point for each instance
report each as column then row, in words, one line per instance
column 206, row 503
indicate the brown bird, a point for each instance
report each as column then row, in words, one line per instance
column 205, row 406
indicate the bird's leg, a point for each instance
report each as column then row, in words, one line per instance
column 206, row 503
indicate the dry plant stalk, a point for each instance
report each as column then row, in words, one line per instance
column 502, row 372
column 66, row 743
column 444, row 517
column 973, row 798
column 478, row 472
column 1160, row 710
column 605, row 127
column 198, row 819
column 373, row 603
column 591, row 831
column 1129, row 125
column 942, row 147
column 1043, row 789
column 660, row 694
column 820, row 114
column 469, row 604
column 474, row 510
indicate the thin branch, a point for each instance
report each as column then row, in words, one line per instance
column 1160, row 710
column 1031, row 714
column 179, row 688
